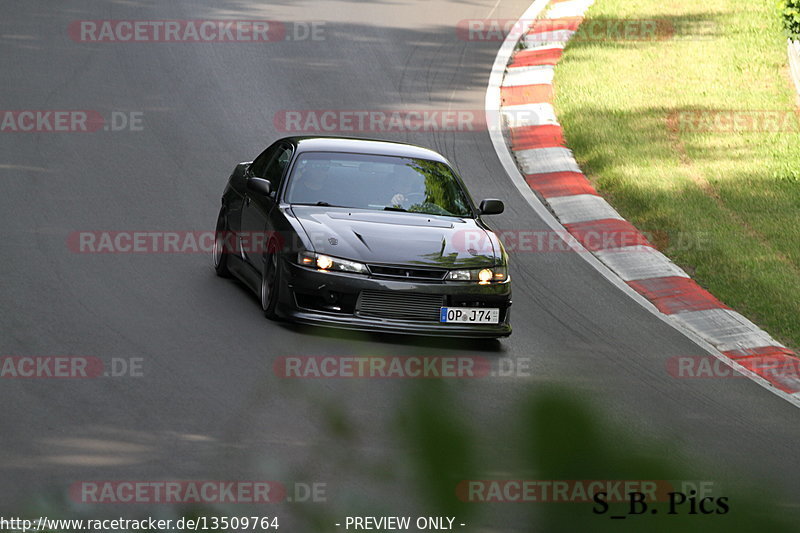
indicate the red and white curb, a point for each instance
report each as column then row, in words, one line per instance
column 519, row 112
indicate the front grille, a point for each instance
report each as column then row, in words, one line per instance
column 399, row 305
column 411, row 273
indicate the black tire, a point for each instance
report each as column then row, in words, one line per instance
column 221, row 246
column 270, row 281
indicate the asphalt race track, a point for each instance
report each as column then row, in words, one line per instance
column 208, row 404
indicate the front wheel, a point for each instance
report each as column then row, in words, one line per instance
column 221, row 248
column 270, row 281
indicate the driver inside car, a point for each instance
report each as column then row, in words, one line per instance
column 409, row 188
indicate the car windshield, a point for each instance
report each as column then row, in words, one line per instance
column 377, row 182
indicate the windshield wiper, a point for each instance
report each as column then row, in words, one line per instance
column 395, row 208
column 321, row 204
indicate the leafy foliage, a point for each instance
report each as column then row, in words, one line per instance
column 790, row 10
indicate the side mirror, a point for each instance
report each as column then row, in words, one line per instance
column 491, row 206
column 259, row 186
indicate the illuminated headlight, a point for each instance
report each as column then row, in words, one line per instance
column 484, row 276
column 328, row 263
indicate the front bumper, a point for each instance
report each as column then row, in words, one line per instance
column 310, row 296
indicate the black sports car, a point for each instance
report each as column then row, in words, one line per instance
column 364, row 234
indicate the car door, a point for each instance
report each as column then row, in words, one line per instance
column 256, row 224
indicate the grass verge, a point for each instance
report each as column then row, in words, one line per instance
column 674, row 132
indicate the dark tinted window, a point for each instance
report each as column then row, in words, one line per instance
column 277, row 166
column 259, row 166
column 377, row 182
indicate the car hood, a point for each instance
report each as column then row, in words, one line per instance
column 396, row 238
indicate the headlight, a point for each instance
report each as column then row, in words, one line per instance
column 326, row 262
column 483, row 276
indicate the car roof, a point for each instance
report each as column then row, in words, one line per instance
column 364, row 146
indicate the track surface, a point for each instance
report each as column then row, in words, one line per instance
column 209, row 406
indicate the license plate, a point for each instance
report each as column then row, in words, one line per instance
column 470, row 315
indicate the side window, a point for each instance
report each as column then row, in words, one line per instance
column 275, row 170
column 259, row 166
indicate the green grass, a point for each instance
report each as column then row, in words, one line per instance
column 724, row 206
